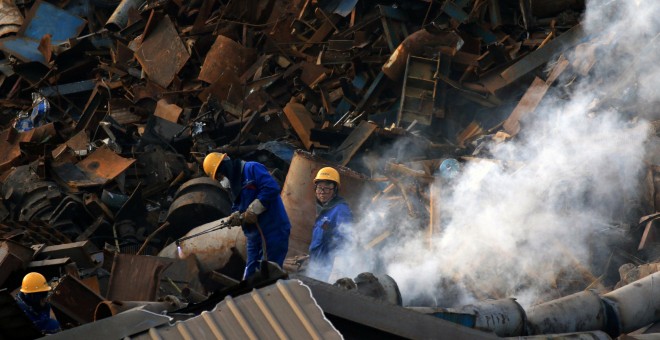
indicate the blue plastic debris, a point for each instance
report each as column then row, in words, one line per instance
column 449, row 168
column 36, row 117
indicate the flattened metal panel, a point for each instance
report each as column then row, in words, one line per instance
column 104, row 165
column 13, row 256
column 225, row 55
column 22, row 48
column 43, row 18
column 284, row 310
column 162, row 54
column 341, row 7
column 354, row 141
column 135, row 278
column 75, row 299
column 301, row 121
column 48, row 19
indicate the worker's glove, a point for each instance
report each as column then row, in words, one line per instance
column 250, row 217
column 251, row 214
column 234, row 219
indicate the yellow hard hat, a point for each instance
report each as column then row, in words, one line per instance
column 327, row 174
column 212, row 163
column 34, row 283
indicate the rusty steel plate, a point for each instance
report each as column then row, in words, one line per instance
column 162, row 54
column 225, row 56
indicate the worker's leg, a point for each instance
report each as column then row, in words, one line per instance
column 254, row 254
column 276, row 250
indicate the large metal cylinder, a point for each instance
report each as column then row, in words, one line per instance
column 300, row 202
column 198, row 201
column 29, row 197
column 595, row 335
column 381, row 287
column 636, row 304
column 504, row 317
column 213, row 250
column 579, row 312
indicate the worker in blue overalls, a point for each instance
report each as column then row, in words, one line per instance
column 32, row 299
column 333, row 219
column 257, row 208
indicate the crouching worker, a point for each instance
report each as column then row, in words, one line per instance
column 333, row 218
column 33, row 301
column 257, row 208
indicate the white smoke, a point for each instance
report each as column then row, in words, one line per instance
column 545, row 206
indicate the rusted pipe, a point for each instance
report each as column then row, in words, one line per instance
column 107, row 309
column 212, row 250
column 119, row 18
column 223, row 279
column 579, row 312
column 504, row 317
column 595, row 335
column 192, row 295
column 198, row 201
column 636, row 304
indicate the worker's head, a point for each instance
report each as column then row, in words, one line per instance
column 326, row 184
column 35, row 288
column 212, row 164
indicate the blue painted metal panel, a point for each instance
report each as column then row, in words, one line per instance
column 455, row 11
column 49, row 19
column 22, row 48
column 392, row 13
column 341, row 7
column 281, row 150
column 43, row 18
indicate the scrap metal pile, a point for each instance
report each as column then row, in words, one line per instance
column 108, row 107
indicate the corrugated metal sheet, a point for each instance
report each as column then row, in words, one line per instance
column 284, row 310
column 124, row 324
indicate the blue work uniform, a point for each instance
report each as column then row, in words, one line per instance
column 257, row 183
column 40, row 315
column 329, row 233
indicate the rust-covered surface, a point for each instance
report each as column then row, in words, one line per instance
column 108, row 109
column 73, row 298
column 13, row 257
column 300, row 202
column 162, row 53
column 135, row 278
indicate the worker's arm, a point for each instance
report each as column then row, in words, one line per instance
column 343, row 225
column 267, row 191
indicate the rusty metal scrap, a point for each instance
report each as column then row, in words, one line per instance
column 135, row 278
column 74, row 299
column 162, row 53
column 136, row 93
